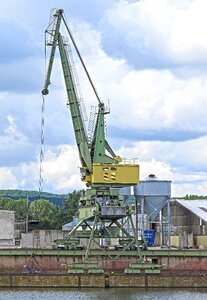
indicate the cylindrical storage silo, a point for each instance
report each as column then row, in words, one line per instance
column 153, row 195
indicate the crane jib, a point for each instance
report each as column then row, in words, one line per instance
column 100, row 165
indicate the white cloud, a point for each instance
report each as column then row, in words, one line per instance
column 175, row 30
column 60, row 168
column 188, row 156
column 12, row 138
column 60, row 172
column 159, row 99
column 12, row 129
column 8, row 179
column 184, row 163
column 154, row 98
column 188, row 29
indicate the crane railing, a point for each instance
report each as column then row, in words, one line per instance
column 76, row 81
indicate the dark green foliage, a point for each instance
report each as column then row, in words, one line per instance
column 191, row 197
column 48, row 214
column 194, row 197
column 24, row 194
column 33, row 195
column 70, row 207
column 20, row 207
column 45, row 212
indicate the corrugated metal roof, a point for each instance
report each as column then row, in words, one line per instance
column 69, row 225
column 198, row 207
column 75, row 222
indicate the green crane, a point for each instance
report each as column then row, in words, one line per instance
column 103, row 171
column 101, row 168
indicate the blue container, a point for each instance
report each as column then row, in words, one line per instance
column 149, row 237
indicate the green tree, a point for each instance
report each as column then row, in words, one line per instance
column 45, row 212
column 49, row 215
column 20, row 207
column 193, row 197
column 69, row 208
column 4, row 203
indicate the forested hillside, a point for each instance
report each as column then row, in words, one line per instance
column 33, row 195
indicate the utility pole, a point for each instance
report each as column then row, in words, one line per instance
column 26, row 229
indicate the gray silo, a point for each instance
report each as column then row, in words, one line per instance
column 151, row 196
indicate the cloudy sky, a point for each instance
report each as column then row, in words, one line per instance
column 147, row 58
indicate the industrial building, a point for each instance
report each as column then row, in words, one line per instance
column 188, row 223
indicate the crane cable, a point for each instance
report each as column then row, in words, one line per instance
column 41, row 161
column 42, row 145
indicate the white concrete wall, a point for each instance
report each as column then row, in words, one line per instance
column 26, row 240
column 41, row 238
column 7, row 219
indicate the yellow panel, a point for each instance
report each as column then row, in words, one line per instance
column 88, row 178
column 117, row 174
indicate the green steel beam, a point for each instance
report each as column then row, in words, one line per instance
column 60, row 252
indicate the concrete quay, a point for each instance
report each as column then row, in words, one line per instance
column 45, row 268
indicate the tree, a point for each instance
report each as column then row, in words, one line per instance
column 49, row 215
column 45, row 212
column 4, row 203
column 20, row 207
column 193, row 197
column 69, row 208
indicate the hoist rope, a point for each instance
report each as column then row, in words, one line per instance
column 42, row 145
column 41, row 179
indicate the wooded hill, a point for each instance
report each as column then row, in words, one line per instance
column 33, row 195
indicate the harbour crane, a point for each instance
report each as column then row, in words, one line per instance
column 103, row 171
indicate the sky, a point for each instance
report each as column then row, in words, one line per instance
column 148, row 61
